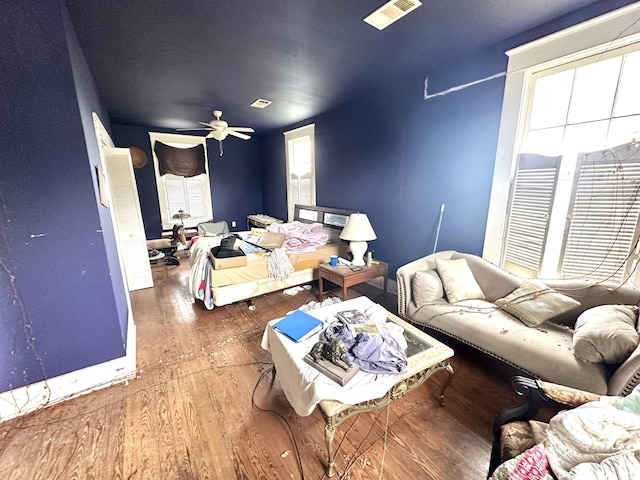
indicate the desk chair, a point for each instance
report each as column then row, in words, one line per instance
column 165, row 248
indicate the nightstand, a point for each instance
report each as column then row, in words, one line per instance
column 343, row 276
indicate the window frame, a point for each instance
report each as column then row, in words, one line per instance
column 289, row 137
column 595, row 37
column 173, row 139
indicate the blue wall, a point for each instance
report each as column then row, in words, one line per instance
column 398, row 157
column 57, row 299
column 235, row 178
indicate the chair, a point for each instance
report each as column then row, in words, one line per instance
column 165, row 248
column 515, row 430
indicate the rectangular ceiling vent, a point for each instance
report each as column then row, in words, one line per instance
column 390, row 12
column 261, row 103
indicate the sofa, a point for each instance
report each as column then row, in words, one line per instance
column 585, row 335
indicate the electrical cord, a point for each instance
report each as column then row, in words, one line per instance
column 279, row 415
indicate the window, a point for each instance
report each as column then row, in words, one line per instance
column 301, row 172
column 191, row 195
column 555, row 210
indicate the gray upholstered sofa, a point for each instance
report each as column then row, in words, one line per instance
column 546, row 350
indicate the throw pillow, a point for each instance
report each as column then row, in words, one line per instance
column 458, row 280
column 426, row 288
column 606, row 334
column 534, row 303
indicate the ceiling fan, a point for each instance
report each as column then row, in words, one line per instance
column 219, row 129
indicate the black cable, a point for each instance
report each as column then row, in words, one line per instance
column 278, row 414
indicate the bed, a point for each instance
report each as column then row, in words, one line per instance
column 216, row 288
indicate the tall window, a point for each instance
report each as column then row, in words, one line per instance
column 301, row 172
column 190, row 195
column 568, row 167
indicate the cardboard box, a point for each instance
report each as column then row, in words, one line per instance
column 227, row 262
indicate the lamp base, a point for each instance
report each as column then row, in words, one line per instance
column 358, row 249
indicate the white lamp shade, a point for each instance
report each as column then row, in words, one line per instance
column 358, row 228
column 358, row 231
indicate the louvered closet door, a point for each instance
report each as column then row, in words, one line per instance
column 127, row 218
column 602, row 228
column 530, row 202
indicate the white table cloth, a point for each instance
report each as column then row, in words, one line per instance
column 303, row 385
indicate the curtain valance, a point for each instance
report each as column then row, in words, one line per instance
column 184, row 162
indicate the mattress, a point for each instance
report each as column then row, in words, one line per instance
column 256, row 267
column 229, row 285
column 240, row 283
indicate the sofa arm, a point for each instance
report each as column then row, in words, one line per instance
column 537, row 392
column 404, row 276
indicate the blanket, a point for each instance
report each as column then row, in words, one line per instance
column 301, row 237
column 595, row 441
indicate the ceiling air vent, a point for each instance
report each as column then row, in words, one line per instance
column 261, row 103
column 390, row 12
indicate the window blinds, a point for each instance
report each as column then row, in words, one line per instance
column 602, row 225
column 531, row 200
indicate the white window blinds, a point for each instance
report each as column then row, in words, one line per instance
column 531, row 200
column 601, row 231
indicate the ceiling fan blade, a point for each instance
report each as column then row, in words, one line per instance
column 237, row 134
column 191, row 129
column 205, row 124
column 242, row 129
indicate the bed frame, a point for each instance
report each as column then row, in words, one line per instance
column 333, row 219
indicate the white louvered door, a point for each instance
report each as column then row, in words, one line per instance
column 530, row 203
column 127, row 216
column 603, row 221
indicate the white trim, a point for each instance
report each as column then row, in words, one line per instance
column 592, row 37
column 300, row 132
column 175, row 139
column 51, row 391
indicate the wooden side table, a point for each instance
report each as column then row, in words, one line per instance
column 343, row 276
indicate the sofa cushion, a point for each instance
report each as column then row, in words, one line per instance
column 458, row 280
column 606, row 334
column 426, row 287
column 534, row 303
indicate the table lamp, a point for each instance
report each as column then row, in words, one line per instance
column 358, row 231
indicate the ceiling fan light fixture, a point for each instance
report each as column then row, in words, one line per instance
column 390, row 12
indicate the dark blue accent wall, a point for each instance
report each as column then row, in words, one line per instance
column 235, row 177
column 399, row 158
column 89, row 103
column 59, row 309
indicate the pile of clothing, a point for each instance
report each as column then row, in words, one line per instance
column 596, row 441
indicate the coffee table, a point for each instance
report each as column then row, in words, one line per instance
column 306, row 388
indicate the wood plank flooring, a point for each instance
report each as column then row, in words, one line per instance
column 189, row 412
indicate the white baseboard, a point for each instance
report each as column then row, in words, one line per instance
column 20, row 401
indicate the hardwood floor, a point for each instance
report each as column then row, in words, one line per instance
column 189, row 413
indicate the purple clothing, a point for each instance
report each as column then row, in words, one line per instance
column 371, row 352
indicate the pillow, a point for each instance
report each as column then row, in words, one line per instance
column 534, row 303
column 426, row 287
column 606, row 334
column 458, row 280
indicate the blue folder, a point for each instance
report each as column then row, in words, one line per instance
column 298, row 326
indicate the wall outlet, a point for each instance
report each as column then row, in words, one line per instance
column 233, row 224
